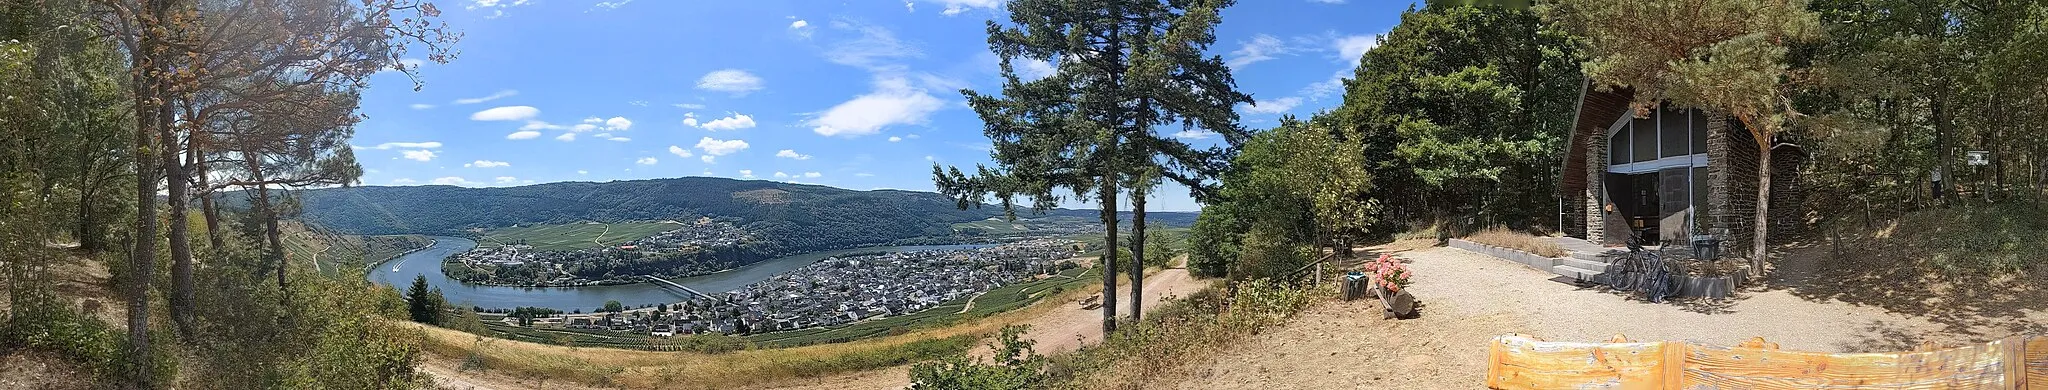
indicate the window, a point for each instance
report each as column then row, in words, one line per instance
column 1673, row 133
column 1643, row 136
column 1617, row 148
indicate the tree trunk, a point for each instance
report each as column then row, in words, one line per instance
column 142, row 258
column 179, row 229
column 1138, row 194
column 207, row 208
column 1761, row 250
column 1108, row 194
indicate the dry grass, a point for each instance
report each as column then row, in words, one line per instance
column 1502, row 237
column 607, row 367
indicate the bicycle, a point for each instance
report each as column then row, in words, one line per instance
column 1644, row 272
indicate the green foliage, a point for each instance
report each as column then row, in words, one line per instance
column 1293, row 186
column 1179, row 331
column 1461, row 113
column 1016, row 368
column 614, row 306
column 424, row 303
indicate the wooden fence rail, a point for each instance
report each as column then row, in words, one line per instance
column 1523, row 362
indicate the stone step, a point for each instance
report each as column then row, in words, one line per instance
column 1579, row 263
column 1588, row 256
column 1581, row 274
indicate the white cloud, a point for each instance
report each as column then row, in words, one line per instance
column 910, row 136
column 638, row 103
column 403, row 181
column 871, row 51
column 735, row 81
column 930, row 158
column 864, row 174
column 618, row 139
column 735, row 122
column 404, row 145
column 812, row 175
column 646, row 161
column 582, row 172
column 679, row 151
column 1350, row 48
column 715, row 147
column 506, row 113
column 708, row 159
column 419, row 155
column 421, row 106
column 487, row 164
column 1194, row 134
column 893, row 102
column 582, row 127
column 688, row 106
column 792, row 154
column 895, row 139
column 566, row 137
column 497, row 7
column 540, row 125
column 1262, row 47
column 507, row 180
column 453, row 181
column 747, row 173
column 1035, row 68
column 618, row 123
column 525, row 134
column 955, row 7
column 1328, row 87
column 1274, row 106
column 801, row 28
column 780, row 175
column 611, row 5
column 690, row 119
column 495, row 96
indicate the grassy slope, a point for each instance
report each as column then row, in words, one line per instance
column 335, row 252
column 575, row 236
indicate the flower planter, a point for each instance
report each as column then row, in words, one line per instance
column 1396, row 304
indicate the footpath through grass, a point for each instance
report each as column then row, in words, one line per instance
column 574, row 236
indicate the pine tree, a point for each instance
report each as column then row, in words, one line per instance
column 1123, row 68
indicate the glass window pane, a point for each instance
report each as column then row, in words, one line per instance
column 1674, row 137
column 1699, row 131
column 1643, row 136
column 1617, row 148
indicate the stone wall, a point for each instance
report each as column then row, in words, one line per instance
column 1731, row 169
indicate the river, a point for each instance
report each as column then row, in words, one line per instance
column 400, row 272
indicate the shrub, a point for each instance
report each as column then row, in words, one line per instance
column 1017, row 367
column 1502, row 237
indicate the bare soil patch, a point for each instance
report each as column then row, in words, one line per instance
column 1469, row 298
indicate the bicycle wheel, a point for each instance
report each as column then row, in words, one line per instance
column 1626, row 277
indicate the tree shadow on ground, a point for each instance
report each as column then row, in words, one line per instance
column 1969, row 307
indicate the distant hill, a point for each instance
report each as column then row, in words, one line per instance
column 799, row 217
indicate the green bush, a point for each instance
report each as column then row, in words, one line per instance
column 1017, row 367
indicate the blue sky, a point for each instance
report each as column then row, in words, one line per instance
column 854, row 94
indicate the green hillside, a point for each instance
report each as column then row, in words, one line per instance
column 790, row 217
column 574, row 236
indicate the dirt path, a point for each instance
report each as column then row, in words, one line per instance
column 1072, row 325
column 1469, row 298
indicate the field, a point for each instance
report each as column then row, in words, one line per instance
column 574, row 236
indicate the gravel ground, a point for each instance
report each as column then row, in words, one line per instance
column 1469, row 298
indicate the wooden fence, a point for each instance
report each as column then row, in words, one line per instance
column 1523, row 362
